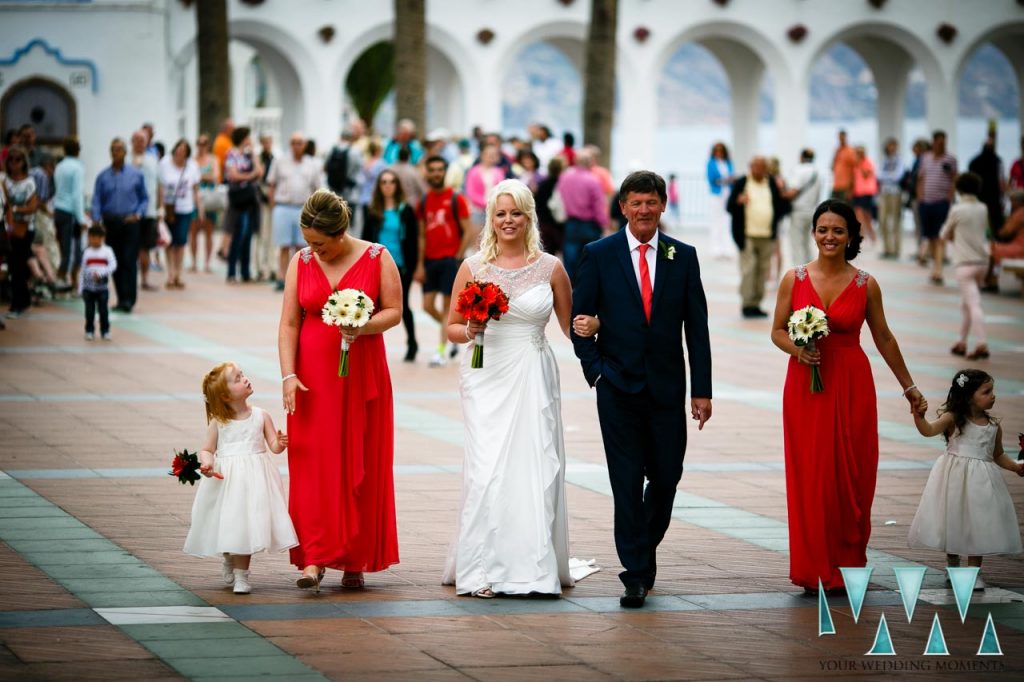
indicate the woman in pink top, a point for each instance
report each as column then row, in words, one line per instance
column 865, row 188
column 480, row 179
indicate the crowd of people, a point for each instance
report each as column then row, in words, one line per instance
column 978, row 213
column 161, row 210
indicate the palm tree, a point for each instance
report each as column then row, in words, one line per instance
column 214, row 70
column 411, row 61
column 599, row 75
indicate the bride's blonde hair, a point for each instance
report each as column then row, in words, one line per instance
column 523, row 199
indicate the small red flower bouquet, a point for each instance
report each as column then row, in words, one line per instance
column 185, row 466
column 479, row 302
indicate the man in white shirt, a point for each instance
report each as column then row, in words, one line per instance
column 804, row 191
column 545, row 145
column 293, row 177
column 755, row 204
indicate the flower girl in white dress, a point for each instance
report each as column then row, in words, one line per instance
column 244, row 512
column 966, row 508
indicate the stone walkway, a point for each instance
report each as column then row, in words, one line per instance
column 94, row 585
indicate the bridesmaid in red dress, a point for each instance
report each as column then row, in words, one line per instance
column 831, row 437
column 341, row 429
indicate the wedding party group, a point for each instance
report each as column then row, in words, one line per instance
column 636, row 314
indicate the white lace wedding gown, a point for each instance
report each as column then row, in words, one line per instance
column 512, row 533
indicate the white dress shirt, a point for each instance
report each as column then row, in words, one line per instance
column 651, row 255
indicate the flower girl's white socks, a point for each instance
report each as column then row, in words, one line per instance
column 242, row 585
column 227, row 570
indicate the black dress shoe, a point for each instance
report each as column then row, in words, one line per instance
column 410, row 353
column 753, row 311
column 633, row 597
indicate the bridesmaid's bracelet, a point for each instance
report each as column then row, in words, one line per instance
column 290, row 376
column 909, row 388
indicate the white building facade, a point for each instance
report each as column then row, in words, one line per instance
column 99, row 68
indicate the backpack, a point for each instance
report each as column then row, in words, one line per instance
column 336, row 169
column 422, row 209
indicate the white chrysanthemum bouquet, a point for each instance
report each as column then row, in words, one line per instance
column 346, row 308
column 805, row 326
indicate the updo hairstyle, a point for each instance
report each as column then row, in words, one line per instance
column 325, row 212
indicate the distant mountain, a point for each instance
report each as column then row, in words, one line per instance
column 693, row 89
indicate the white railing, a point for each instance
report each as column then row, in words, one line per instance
column 265, row 121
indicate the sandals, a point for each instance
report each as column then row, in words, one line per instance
column 353, row 581
column 311, row 578
column 980, row 353
column 484, row 593
column 959, row 349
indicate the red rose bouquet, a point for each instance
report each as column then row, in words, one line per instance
column 479, row 302
column 185, row 466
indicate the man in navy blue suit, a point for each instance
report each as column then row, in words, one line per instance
column 645, row 289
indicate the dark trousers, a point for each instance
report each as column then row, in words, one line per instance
column 17, row 269
column 578, row 233
column 641, row 440
column 244, row 223
column 407, row 318
column 96, row 301
column 123, row 238
column 69, row 233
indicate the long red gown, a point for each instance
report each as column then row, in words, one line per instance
column 341, row 437
column 831, row 443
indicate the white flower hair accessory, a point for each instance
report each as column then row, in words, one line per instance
column 961, row 380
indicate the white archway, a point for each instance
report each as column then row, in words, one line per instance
column 449, row 68
column 1008, row 38
column 891, row 52
column 286, row 61
column 747, row 56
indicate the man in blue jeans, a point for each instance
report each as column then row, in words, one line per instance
column 585, row 206
column 119, row 201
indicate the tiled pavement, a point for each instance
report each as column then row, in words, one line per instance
column 93, row 584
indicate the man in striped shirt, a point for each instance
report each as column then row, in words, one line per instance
column 935, row 190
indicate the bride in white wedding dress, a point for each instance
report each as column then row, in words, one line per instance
column 512, row 535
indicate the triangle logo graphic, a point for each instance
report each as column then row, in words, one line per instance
column 989, row 641
column 962, row 580
column 856, row 580
column 883, row 641
column 910, row 580
column 936, row 640
column 825, row 624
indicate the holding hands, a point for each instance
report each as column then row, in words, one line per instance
column 922, row 408
column 918, row 405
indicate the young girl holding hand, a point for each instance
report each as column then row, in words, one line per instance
column 966, row 508
column 245, row 511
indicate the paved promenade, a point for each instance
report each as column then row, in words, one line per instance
column 94, row 585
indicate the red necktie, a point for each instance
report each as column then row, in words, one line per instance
column 645, row 281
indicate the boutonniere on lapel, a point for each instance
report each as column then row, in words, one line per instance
column 667, row 250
